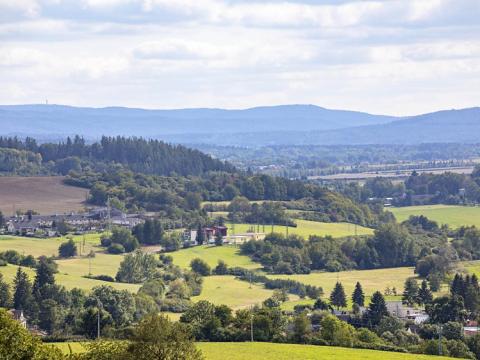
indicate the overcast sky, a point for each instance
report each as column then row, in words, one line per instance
column 393, row 57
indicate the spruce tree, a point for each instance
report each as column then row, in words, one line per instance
column 338, row 297
column 45, row 274
column 458, row 286
column 22, row 297
column 358, row 297
column 377, row 309
column 425, row 295
column 5, row 296
column 410, row 292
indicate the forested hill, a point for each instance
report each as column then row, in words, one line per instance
column 137, row 154
column 43, row 120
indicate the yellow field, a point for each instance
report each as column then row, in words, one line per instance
column 371, row 280
column 211, row 254
column 68, row 280
column 270, row 351
column 305, row 228
column 454, row 216
column 229, row 291
column 47, row 247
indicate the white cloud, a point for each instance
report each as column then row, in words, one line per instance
column 365, row 55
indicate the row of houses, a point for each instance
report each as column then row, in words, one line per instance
column 47, row 225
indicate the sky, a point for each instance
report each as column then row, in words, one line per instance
column 398, row 57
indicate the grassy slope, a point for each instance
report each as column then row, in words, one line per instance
column 232, row 292
column 269, row 351
column 211, row 254
column 454, row 216
column 47, row 247
column 371, row 280
column 70, row 270
column 69, row 281
column 306, row 228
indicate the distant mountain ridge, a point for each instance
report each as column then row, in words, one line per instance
column 272, row 125
column 95, row 122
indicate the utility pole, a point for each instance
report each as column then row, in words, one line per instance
column 89, row 265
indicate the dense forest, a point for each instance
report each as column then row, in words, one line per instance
column 304, row 160
column 147, row 175
column 137, row 154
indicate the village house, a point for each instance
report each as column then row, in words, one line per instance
column 18, row 316
column 209, row 234
column 45, row 225
column 398, row 309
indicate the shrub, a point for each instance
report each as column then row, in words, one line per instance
column 101, row 277
column 200, row 267
column 116, row 249
column 105, row 241
column 67, row 249
column 221, row 268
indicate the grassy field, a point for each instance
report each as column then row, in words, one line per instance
column 269, row 351
column 306, row 228
column 70, row 271
column 68, row 280
column 371, row 280
column 454, row 216
column 49, row 246
column 232, row 292
column 211, row 254
column 46, row 195
column 473, row 267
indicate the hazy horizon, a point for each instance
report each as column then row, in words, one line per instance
column 381, row 57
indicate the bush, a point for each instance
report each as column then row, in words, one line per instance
column 200, row 267
column 116, row 249
column 221, row 268
column 101, row 277
column 3, row 262
column 105, row 241
column 67, row 249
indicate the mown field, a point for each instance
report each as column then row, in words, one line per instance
column 371, row 280
column 269, row 351
column 211, row 254
column 68, row 280
column 454, row 216
column 305, row 228
column 46, row 195
column 232, row 292
column 49, row 246
column 70, row 271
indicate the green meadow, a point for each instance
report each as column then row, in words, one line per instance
column 211, row 254
column 271, row 351
column 70, row 271
column 48, row 246
column 68, row 280
column 371, row 280
column 305, row 228
column 454, row 216
column 227, row 290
